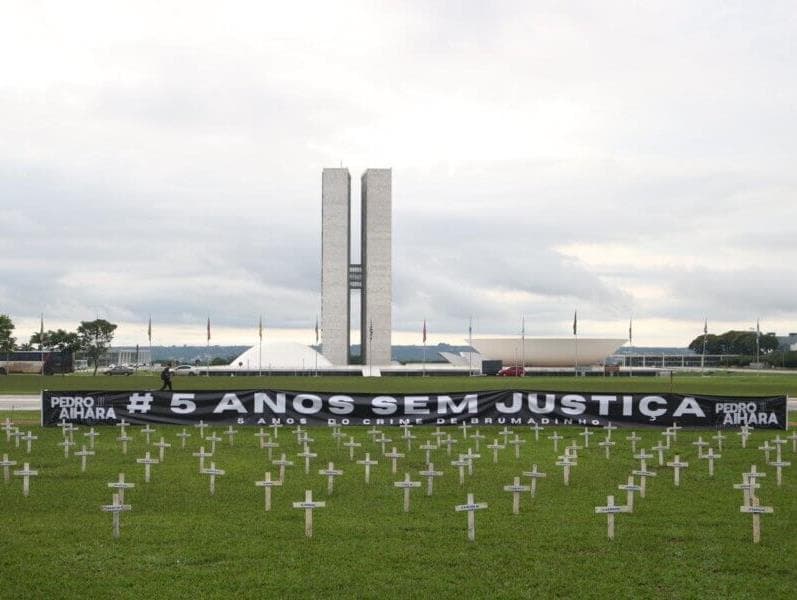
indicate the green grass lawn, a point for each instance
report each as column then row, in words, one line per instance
column 720, row 384
column 687, row 542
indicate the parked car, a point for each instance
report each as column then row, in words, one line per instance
column 512, row 372
column 185, row 370
column 119, row 370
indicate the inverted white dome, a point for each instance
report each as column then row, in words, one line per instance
column 280, row 355
column 547, row 352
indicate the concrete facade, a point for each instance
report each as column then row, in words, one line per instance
column 335, row 259
column 373, row 276
column 376, row 191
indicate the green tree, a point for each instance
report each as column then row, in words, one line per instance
column 6, row 328
column 735, row 342
column 95, row 338
column 64, row 341
column 41, row 340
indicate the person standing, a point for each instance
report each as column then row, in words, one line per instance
column 166, row 378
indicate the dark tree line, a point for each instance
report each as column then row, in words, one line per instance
column 735, row 342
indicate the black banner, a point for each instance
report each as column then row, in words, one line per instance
column 504, row 407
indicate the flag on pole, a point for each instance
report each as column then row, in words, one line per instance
column 41, row 332
column 575, row 322
column 149, row 329
column 757, row 328
column 316, row 330
column 523, row 325
column 705, row 327
column 208, row 329
column 424, row 331
column 470, row 327
column 260, row 328
column 371, row 331
column 630, row 331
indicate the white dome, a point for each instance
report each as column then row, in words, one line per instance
column 547, row 352
column 280, row 355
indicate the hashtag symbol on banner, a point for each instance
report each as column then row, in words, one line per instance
column 139, row 403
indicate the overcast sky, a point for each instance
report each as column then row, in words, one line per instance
column 615, row 158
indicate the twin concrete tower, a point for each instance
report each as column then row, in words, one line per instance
column 372, row 277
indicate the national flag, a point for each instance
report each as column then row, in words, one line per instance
column 371, row 331
column 757, row 328
column 208, row 329
column 705, row 327
column 149, row 329
column 523, row 326
column 41, row 332
column 424, row 331
column 260, row 329
column 575, row 322
column 470, row 327
column 316, row 329
column 630, row 333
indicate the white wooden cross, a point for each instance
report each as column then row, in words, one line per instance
column 383, row 441
column 438, row 434
column 477, row 437
column 213, row 472
column 26, row 473
column 744, row 432
column 778, row 446
column 555, row 437
column 299, row 433
column 304, row 438
column 756, row 510
column 147, row 462
column 8, row 427
column 69, row 430
column 793, row 438
column 123, row 425
column 408, row 437
column 202, row 426
column 147, row 431
column 275, row 427
column 448, row 442
column 719, row 437
column 66, row 444
column 282, row 463
column 373, row 432
column 779, row 464
column 534, row 474
column 428, row 447
column 394, row 456
column 470, row 507
column 267, row 484
column 470, row 456
column 710, row 457
column 124, row 438
column 230, row 433
column 586, row 434
column 608, row 428
column 748, row 487
column 337, row 434
column 91, row 434
column 116, row 508
column 6, row 464
column 506, row 433
column 643, row 472
column 330, row 473
column 674, row 428
column 269, row 446
column 202, row 455
column 700, row 444
column 767, row 449
column 121, row 485
column 212, row 438
column 464, row 427
column 407, row 485
column 633, row 438
column 607, row 445
column 161, row 446
column 368, row 463
column 262, row 436
column 572, row 450
column 677, row 465
column 461, row 463
column 536, row 429
column 351, row 445
column 610, row 510
column 668, row 435
column 566, row 462
column 430, row 474
column 28, row 439
column 660, row 448
column 309, row 506
column 84, row 454
column 306, row 454
column 630, row 488
column 516, row 442
column 516, row 490
column 183, row 435
column 495, row 447
column 18, row 434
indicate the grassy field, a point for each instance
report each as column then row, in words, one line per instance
column 720, row 384
column 179, row 542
